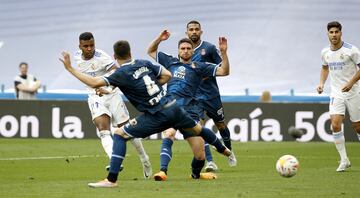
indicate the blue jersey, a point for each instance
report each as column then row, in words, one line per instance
column 207, row 52
column 137, row 80
column 186, row 78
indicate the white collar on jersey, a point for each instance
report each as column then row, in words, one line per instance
column 128, row 63
column 199, row 45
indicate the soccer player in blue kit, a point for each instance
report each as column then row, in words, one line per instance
column 141, row 82
column 208, row 94
column 187, row 76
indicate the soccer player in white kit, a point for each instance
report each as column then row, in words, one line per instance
column 106, row 104
column 342, row 61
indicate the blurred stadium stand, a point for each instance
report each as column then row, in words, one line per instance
column 273, row 44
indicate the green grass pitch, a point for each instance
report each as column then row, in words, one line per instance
column 25, row 171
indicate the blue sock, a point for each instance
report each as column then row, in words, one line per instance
column 117, row 157
column 211, row 138
column 165, row 154
column 196, row 166
column 208, row 155
column 225, row 134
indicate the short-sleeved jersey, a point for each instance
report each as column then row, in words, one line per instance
column 99, row 65
column 28, row 80
column 343, row 64
column 207, row 52
column 137, row 81
column 186, row 78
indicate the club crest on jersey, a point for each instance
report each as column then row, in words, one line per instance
column 342, row 56
column 180, row 72
column 92, row 66
column 203, row 52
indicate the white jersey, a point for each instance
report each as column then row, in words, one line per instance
column 343, row 64
column 99, row 65
column 110, row 104
column 29, row 80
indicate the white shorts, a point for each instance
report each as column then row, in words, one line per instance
column 339, row 106
column 111, row 105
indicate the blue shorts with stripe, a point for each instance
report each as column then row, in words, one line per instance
column 171, row 116
column 213, row 108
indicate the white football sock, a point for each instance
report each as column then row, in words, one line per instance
column 358, row 134
column 136, row 142
column 339, row 141
column 106, row 141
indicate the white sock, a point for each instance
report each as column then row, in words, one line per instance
column 136, row 142
column 358, row 135
column 106, row 141
column 339, row 141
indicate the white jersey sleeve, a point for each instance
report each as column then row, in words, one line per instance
column 355, row 55
column 323, row 52
column 342, row 64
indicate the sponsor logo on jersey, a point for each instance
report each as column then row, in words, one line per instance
column 180, row 72
column 336, row 65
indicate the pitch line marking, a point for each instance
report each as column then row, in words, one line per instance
column 50, row 157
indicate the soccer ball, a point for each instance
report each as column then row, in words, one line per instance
column 287, row 165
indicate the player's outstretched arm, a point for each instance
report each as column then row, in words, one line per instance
column 93, row 82
column 323, row 76
column 224, row 70
column 153, row 47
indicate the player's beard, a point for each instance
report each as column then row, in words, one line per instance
column 89, row 55
column 194, row 38
column 186, row 59
column 335, row 41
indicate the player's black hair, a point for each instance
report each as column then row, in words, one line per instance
column 122, row 49
column 85, row 36
column 334, row 24
column 185, row 40
column 193, row 22
column 23, row 63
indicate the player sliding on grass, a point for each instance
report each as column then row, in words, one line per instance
column 186, row 78
column 141, row 82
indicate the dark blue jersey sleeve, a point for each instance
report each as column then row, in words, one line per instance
column 115, row 79
column 206, row 69
column 165, row 59
column 215, row 54
column 154, row 67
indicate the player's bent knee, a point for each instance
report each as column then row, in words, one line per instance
column 170, row 133
column 197, row 129
column 356, row 126
column 336, row 128
column 220, row 125
column 120, row 131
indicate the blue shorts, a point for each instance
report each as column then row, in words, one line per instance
column 213, row 108
column 194, row 111
column 148, row 124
